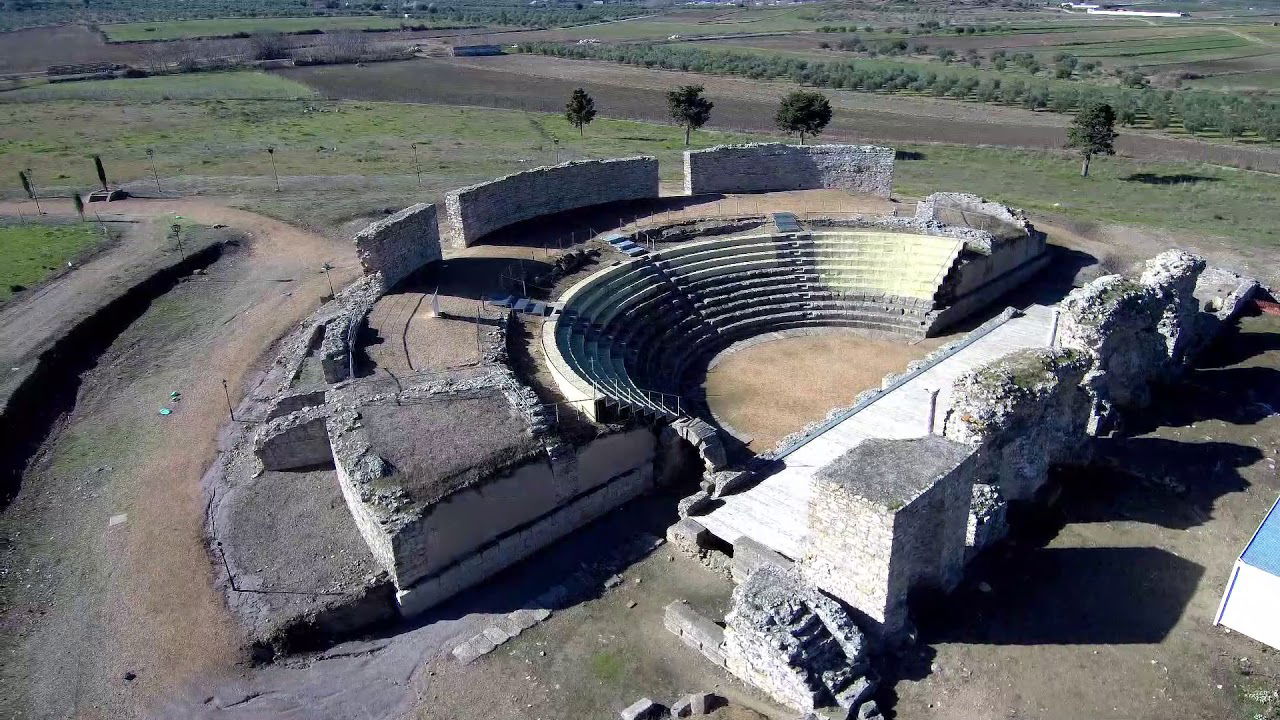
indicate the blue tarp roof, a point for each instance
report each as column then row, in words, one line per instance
column 1263, row 551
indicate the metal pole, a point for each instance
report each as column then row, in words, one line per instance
column 151, row 154
column 328, row 277
column 1053, row 328
column 230, row 411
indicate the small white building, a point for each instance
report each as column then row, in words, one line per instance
column 1251, row 603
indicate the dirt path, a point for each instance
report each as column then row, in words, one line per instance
column 103, row 619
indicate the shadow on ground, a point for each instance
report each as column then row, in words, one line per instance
column 1171, row 179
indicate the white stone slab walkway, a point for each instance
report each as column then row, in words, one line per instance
column 775, row 511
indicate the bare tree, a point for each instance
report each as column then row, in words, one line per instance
column 268, row 46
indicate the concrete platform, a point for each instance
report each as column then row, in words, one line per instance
column 774, row 512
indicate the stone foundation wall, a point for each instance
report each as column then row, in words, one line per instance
column 475, row 211
column 400, row 244
column 764, row 167
column 297, row 440
column 1025, row 412
column 952, row 208
column 696, row 630
column 520, row 542
column 1134, row 332
column 797, row 645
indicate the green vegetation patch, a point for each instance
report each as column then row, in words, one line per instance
column 1204, row 199
column 607, row 667
column 30, row 253
column 213, row 144
column 202, row 86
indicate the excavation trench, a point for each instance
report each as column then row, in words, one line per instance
column 49, row 392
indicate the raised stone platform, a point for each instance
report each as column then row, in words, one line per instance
column 775, row 511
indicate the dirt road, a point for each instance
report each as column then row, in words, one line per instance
column 108, row 605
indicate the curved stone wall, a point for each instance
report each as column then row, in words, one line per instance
column 399, row 244
column 477, row 210
column 627, row 334
column 765, row 167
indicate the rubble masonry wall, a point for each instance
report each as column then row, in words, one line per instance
column 765, row 167
column 607, row 473
column 400, row 244
column 475, row 211
column 1024, row 412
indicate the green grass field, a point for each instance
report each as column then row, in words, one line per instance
column 29, row 253
column 210, row 146
column 203, row 86
column 186, row 29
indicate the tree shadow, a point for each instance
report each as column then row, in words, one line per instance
column 1171, row 179
column 908, row 155
column 1157, row 481
column 1066, row 596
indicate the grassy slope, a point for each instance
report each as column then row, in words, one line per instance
column 182, row 29
column 30, row 253
column 241, row 84
column 216, row 139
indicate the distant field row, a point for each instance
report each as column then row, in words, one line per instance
column 229, row 138
column 202, row 86
column 223, row 27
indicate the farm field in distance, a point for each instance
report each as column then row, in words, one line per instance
column 226, row 27
column 220, row 138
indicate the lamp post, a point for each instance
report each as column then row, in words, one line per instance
column 151, row 155
column 271, row 152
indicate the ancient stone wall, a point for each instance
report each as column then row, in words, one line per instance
column 475, row 211
column 1024, row 412
column 968, row 210
column 400, row 244
column 1134, row 332
column 299, row 439
column 796, row 644
column 764, row 167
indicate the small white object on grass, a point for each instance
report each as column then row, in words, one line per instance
column 117, row 519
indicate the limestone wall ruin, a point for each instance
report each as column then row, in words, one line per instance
column 400, row 244
column 765, row 167
column 1025, row 411
column 435, row 548
column 797, row 645
column 475, row 211
column 1134, row 332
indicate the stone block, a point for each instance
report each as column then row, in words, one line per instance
column 697, row 630
column 688, row 536
column 695, row 704
column 643, row 709
column 748, row 554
